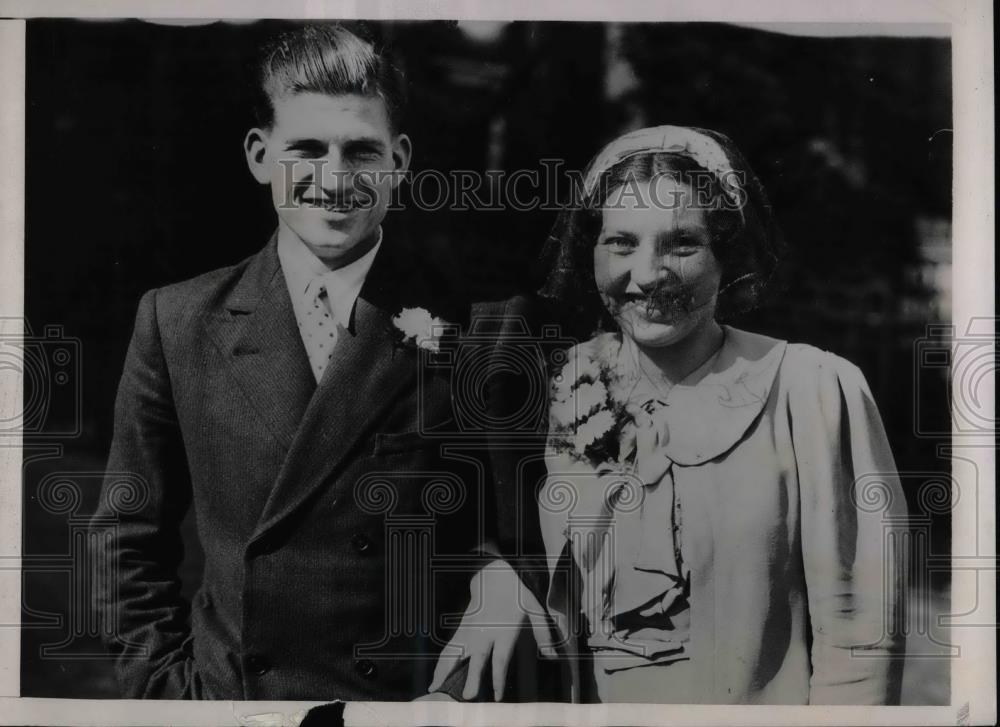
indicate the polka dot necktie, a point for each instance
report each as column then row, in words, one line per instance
column 319, row 328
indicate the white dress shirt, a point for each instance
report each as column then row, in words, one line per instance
column 321, row 298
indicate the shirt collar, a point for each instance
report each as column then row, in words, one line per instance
column 302, row 269
column 712, row 408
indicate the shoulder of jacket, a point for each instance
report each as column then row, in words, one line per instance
column 815, row 366
column 198, row 293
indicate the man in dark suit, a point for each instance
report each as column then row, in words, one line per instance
column 304, row 401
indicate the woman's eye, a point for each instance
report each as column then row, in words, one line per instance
column 619, row 244
column 686, row 246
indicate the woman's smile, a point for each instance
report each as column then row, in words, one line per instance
column 661, row 305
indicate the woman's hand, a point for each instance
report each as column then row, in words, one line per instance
column 501, row 605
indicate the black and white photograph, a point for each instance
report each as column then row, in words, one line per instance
column 580, row 369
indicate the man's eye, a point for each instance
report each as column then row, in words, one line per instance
column 365, row 154
column 305, row 151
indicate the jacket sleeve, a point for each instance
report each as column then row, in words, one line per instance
column 853, row 517
column 518, row 394
column 145, row 495
column 517, row 391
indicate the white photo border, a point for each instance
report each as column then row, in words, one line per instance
column 973, row 692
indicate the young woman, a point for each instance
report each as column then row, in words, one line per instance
column 722, row 508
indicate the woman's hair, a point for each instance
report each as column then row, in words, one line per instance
column 328, row 59
column 738, row 216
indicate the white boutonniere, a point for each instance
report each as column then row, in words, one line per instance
column 420, row 328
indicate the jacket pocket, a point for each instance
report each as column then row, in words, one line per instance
column 429, row 436
column 404, row 442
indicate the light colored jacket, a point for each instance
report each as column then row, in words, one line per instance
column 792, row 516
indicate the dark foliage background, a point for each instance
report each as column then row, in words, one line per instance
column 136, row 178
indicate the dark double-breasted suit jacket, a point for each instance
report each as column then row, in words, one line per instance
column 340, row 522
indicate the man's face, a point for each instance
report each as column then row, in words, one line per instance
column 329, row 160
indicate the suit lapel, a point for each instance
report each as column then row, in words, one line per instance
column 368, row 373
column 258, row 336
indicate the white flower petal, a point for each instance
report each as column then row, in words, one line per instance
column 594, row 428
column 590, row 395
column 413, row 322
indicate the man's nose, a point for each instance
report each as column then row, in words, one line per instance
column 333, row 174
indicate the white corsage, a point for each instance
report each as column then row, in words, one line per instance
column 590, row 419
column 420, row 328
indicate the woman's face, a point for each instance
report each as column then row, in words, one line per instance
column 653, row 262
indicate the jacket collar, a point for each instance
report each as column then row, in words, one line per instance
column 258, row 337
column 322, row 426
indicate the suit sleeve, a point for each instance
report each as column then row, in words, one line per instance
column 517, row 394
column 518, row 386
column 145, row 495
column 853, row 516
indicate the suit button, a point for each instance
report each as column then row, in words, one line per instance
column 361, row 543
column 365, row 668
column 258, row 665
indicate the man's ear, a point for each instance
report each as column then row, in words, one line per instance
column 402, row 151
column 255, row 148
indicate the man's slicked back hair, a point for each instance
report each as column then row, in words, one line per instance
column 327, row 59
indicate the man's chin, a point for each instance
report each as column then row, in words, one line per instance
column 334, row 249
column 342, row 249
column 331, row 238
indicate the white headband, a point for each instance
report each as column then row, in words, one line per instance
column 703, row 149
